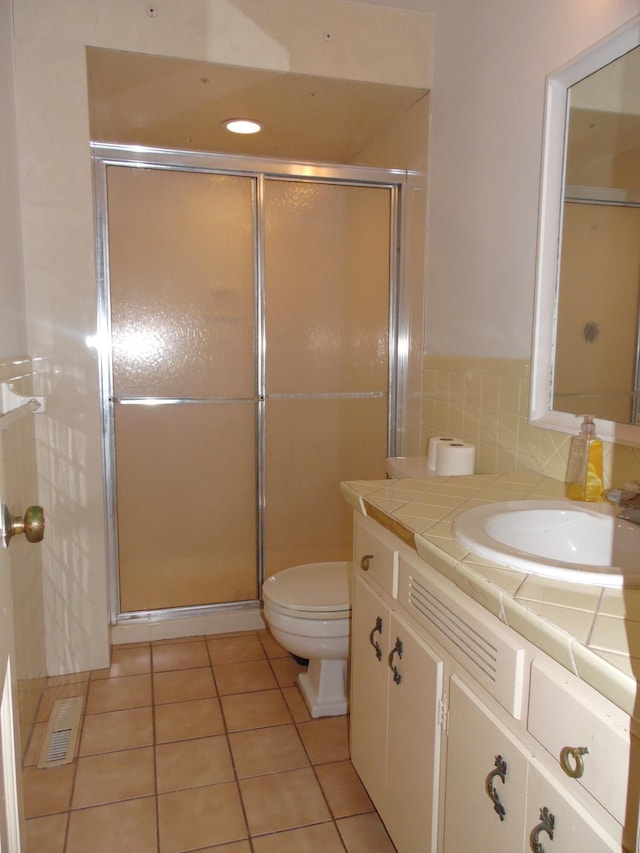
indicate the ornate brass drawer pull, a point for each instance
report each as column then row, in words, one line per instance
column 547, row 824
column 500, row 771
column 573, row 752
column 365, row 562
column 376, row 645
column 396, row 650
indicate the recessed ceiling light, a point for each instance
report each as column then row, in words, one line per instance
column 242, row 125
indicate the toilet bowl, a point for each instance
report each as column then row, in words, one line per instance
column 308, row 610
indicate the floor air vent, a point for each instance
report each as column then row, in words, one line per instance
column 61, row 739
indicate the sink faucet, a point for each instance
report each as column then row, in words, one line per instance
column 630, row 502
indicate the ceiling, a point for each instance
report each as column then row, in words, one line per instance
column 164, row 102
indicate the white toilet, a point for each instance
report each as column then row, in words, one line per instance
column 308, row 610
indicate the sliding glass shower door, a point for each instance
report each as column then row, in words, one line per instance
column 327, row 361
column 249, row 325
column 182, row 293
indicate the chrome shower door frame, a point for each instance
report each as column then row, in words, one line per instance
column 105, row 155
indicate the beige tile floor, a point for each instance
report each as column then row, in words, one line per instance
column 202, row 744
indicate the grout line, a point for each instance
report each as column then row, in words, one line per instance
column 76, row 763
column 154, row 743
column 281, row 686
column 228, row 742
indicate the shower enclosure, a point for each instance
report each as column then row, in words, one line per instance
column 248, row 316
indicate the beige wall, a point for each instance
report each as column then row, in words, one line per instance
column 329, row 37
column 490, row 64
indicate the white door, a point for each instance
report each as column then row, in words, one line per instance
column 9, row 800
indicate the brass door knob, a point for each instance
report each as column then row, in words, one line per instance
column 31, row 524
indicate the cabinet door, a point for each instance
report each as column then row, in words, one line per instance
column 574, row 830
column 415, row 675
column 369, row 651
column 476, row 741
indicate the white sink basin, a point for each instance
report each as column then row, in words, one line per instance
column 579, row 542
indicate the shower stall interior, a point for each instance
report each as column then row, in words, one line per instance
column 249, row 364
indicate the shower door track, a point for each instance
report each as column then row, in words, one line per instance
column 105, row 155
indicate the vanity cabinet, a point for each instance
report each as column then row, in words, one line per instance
column 508, row 798
column 466, row 736
column 395, row 733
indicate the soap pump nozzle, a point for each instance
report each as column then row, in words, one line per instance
column 588, row 426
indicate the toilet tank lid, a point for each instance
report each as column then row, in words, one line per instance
column 416, row 467
column 314, row 586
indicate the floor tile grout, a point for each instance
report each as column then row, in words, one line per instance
column 297, row 720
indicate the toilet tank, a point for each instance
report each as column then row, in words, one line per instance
column 401, row 467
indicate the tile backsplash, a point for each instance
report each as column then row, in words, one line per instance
column 485, row 401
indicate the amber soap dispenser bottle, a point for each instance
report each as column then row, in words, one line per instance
column 584, row 468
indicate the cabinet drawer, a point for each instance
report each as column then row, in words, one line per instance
column 565, row 713
column 376, row 551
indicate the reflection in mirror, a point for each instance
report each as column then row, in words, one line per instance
column 586, row 342
column 596, row 358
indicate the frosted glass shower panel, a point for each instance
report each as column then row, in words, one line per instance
column 181, row 257
column 250, row 319
column 186, row 506
column 323, row 442
column 327, row 287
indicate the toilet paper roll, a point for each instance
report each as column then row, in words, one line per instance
column 455, row 459
column 432, row 449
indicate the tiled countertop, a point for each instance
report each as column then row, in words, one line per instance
column 594, row 632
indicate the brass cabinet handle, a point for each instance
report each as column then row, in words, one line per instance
column 396, row 650
column 365, row 562
column 500, row 769
column 377, row 627
column 31, row 524
column 547, row 824
column 567, row 753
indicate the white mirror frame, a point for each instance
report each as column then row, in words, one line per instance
column 541, row 412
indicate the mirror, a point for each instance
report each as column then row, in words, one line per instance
column 586, row 339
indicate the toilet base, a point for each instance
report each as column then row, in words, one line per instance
column 324, row 687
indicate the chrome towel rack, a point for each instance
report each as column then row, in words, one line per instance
column 14, row 406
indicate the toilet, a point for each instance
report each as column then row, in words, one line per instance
column 308, row 610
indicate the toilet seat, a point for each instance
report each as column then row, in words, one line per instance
column 311, row 591
column 307, row 609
